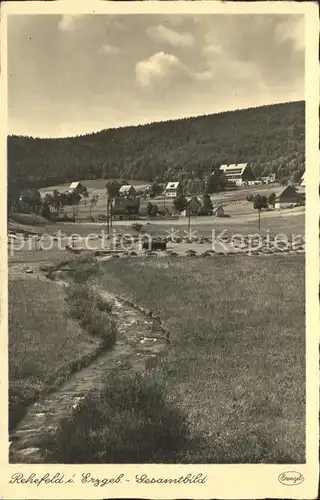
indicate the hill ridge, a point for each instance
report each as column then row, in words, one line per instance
column 270, row 138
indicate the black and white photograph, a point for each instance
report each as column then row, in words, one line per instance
column 157, row 178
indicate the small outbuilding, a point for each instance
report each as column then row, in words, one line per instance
column 218, row 211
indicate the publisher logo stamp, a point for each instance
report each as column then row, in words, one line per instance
column 291, row 478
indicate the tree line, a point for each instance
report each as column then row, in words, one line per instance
column 269, row 138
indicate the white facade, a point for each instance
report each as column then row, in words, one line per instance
column 171, row 194
column 239, row 173
column 172, row 189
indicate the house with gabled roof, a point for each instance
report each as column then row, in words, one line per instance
column 218, row 211
column 193, row 205
column 173, row 189
column 76, row 187
column 238, row 173
column 125, row 208
column 127, row 190
column 287, row 196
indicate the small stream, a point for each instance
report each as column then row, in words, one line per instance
column 140, row 340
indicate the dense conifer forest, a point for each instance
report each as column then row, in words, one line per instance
column 270, row 138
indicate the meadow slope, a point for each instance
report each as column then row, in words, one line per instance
column 236, row 364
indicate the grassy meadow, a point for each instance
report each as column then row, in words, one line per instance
column 45, row 345
column 236, row 363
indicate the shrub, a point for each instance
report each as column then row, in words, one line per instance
column 101, row 325
column 20, row 396
column 92, row 312
column 102, row 217
column 83, row 267
column 129, row 421
column 137, row 226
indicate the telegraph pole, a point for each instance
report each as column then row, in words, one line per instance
column 108, row 215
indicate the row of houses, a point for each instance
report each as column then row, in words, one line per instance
column 238, row 174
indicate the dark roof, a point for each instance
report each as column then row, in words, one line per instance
column 288, row 188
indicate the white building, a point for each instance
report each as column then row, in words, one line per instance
column 173, row 189
column 127, row 190
column 238, row 173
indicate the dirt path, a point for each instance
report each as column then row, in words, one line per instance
column 141, row 338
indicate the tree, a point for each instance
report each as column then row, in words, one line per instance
column 249, row 197
column 180, row 203
column 45, row 211
column 216, row 182
column 154, row 210
column 155, row 189
column 31, row 198
column 259, row 202
column 13, row 193
column 113, row 188
column 149, row 208
column 207, row 206
column 284, row 181
column 191, row 186
column 85, row 195
column 272, row 199
column 93, row 201
column 56, row 201
column 296, row 176
column 76, row 199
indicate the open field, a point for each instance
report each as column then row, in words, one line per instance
column 93, row 236
column 236, row 364
column 241, row 216
column 43, row 343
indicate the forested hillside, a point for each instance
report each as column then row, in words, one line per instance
column 270, row 138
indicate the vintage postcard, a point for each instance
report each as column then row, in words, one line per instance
column 159, row 250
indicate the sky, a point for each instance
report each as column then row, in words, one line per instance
column 71, row 75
